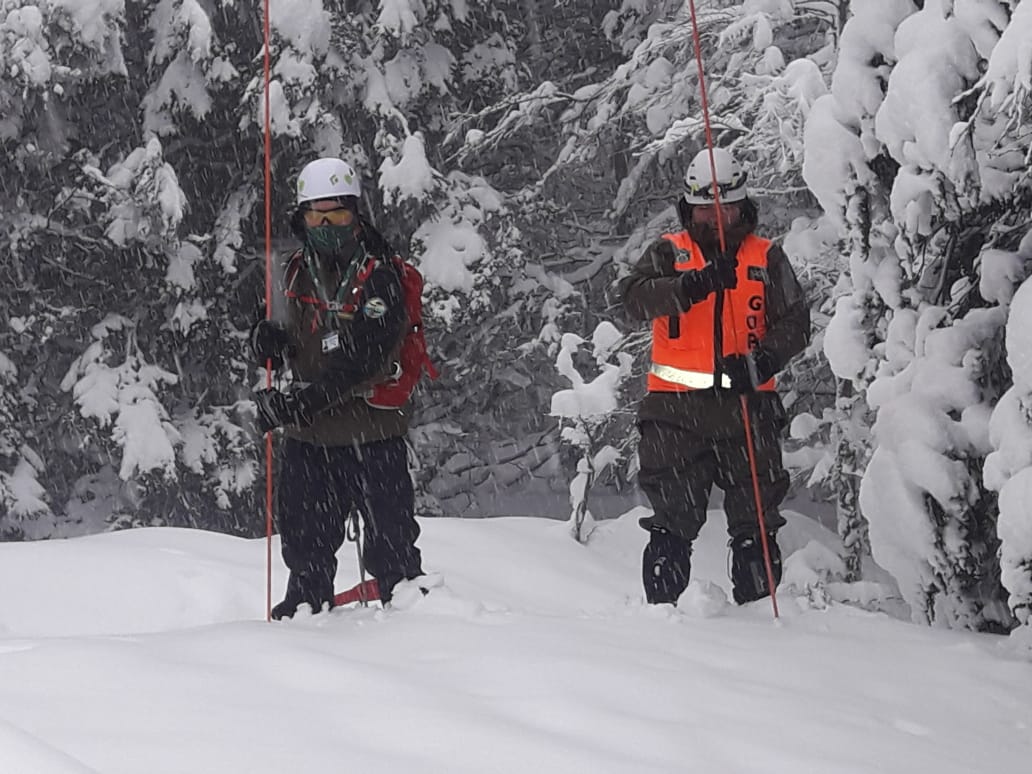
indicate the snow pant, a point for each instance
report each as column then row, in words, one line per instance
column 678, row 467
column 319, row 486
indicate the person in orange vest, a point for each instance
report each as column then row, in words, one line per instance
column 723, row 324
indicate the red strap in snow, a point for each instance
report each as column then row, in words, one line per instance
column 368, row 590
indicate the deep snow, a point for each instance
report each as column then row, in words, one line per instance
column 146, row 651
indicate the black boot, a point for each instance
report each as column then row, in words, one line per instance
column 665, row 567
column 288, row 606
column 748, row 570
column 313, row 587
column 285, row 608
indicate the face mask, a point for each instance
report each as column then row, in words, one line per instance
column 333, row 243
column 706, row 235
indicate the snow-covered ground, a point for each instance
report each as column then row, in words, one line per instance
column 146, row 652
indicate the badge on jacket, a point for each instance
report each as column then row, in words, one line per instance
column 759, row 274
column 330, row 342
column 375, row 308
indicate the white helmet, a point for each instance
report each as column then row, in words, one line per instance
column 327, row 178
column 730, row 178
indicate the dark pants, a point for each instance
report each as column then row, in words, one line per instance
column 319, row 486
column 679, row 466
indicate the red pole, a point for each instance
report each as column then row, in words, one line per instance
column 268, row 312
column 746, row 421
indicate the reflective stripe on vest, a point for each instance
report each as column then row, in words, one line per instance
column 696, row 380
column 685, row 343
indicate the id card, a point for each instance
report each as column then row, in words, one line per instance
column 330, row 342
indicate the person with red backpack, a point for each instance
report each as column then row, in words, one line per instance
column 352, row 340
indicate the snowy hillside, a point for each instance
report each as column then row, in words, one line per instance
column 145, row 652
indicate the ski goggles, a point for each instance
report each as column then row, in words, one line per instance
column 338, row 216
column 706, row 191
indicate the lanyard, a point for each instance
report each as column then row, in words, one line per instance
column 343, row 287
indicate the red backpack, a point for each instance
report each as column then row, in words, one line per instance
column 413, row 356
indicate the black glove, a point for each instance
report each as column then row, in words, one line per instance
column 766, row 365
column 697, row 284
column 269, row 342
column 740, row 370
column 714, row 276
column 727, row 271
column 277, row 408
column 747, row 372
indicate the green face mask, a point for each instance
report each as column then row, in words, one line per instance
column 336, row 243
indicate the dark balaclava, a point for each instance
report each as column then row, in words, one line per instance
column 706, row 235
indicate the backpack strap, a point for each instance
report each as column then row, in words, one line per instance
column 416, row 325
column 295, row 264
column 351, row 296
column 354, row 293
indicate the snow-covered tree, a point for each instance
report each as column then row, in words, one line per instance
column 24, row 510
column 586, row 409
column 1007, row 467
column 1005, row 97
column 763, row 67
column 611, row 142
column 917, row 172
column 133, row 146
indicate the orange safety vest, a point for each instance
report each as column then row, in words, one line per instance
column 683, row 345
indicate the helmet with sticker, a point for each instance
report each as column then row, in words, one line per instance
column 730, row 178
column 327, row 178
